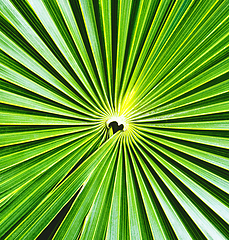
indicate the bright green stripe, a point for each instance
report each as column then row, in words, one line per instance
column 38, row 166
column 146, row 228
column 211, row 158
column 11, row 118
column 92, row 31
column 176, row 43
column 124, row 11
column 30, row 195
column 204, row 38
column 72, row 223
column 97, row 218
column 12, row 49
column 41, row 11
column 115, row 217
column 205, row 174
column 198, row 58
column 203, row 78
column 146, row 8
column 22, row 154
column 12, row 76
column 204, row 195
column 55, row 200
column 20, row 101
column 106, row 12
column 156, row 224
column 76, row 35
column 21, row 137
column 208, row 140
column 202, row 222
column 155, row 26
column 210, row 125
column 216, row 108
column 135, row 225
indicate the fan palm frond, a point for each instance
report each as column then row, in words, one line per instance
column 114, row 119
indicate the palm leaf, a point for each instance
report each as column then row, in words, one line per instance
column 71, row 70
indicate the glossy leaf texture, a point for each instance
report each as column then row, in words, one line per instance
column 68, row 67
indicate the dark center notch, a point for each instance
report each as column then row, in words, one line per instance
column 115, row 126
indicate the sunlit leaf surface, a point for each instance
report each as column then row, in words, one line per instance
column 114, row 119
